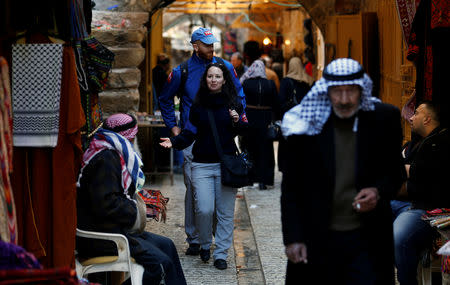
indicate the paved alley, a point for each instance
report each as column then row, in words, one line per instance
column 257, row 256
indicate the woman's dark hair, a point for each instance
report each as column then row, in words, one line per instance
column 228, row 88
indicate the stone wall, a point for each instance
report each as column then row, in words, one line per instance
column 123, row 33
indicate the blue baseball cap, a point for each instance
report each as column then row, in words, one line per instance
column 204, row 35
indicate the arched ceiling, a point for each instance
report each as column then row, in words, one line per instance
column 230, row 6
column 263, row 14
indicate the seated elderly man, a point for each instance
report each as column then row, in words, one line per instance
column 427, row 189
column 106, row 202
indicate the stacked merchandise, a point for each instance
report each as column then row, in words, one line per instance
column 440, row 219
column 156, row 204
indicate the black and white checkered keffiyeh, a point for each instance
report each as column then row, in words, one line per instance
column 36, row 93
column 311, row 114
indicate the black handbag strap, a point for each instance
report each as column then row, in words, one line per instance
column 294, row 91
column 212, row 122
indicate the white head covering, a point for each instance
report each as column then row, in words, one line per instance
column 257, row 69
column 297, row 72
column 311, row 114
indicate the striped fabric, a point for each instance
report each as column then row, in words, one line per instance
column 129, row 159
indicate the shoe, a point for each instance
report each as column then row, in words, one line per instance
column 262, row 186
column 193, row 249
column 204, row 254
column 220, row 264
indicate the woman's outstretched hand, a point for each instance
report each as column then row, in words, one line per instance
column 234, row 115
column 165, row 143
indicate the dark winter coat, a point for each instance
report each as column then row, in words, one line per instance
column 102, row 205
column 198, row 129
column 308, row 185
column 428, row 184
column 290, row 89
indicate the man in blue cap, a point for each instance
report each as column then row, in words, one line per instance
column 202, row 41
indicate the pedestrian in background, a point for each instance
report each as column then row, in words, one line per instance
column 202, row 41
column 292, row 90
column 218, row 96
column 261, row 98
column 160, row 72
column 237, row 60
column 344, row 166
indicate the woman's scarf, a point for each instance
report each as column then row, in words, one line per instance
column 297, row 72
column 131, row 163
column 312, row 113
column 257, row 69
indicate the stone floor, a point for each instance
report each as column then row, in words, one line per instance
column 257, row 254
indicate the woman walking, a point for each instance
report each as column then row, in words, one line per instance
column 217, row 95
column 294, row 87
column 261, row 98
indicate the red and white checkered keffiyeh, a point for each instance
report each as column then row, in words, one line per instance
column 118, row 132
column 117, row 120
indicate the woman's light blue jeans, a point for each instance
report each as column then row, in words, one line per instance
column 211, row 197
column 412, row 236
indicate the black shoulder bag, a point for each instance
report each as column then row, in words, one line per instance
column 234, row 168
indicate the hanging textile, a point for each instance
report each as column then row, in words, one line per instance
column 230, row 43
column 428, row 49
column 45, row 181
column 36, row 93
column 8, row 222
column 406, row 10
column 94, row 61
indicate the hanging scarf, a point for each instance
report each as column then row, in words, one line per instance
column 312, row 113
column 131, row 163
column 36, row 92
column 297, row 72
column 257, row 69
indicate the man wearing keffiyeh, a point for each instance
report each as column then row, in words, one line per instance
column 107, row 202
column 344, row 166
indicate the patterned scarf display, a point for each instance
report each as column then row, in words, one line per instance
column 36, row 81
column 130, row 161
column 312, row 113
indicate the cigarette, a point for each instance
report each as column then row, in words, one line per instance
column 358, row 206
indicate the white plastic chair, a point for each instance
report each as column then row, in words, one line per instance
column 122, row 262
column 427, row 266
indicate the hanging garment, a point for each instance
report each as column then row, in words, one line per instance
column 44, row 181
column 36, row 80
column 428, row 49
column 406, row 10
column 5, row 104
column 8, row 224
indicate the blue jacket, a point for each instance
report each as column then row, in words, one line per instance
column 196, row 68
